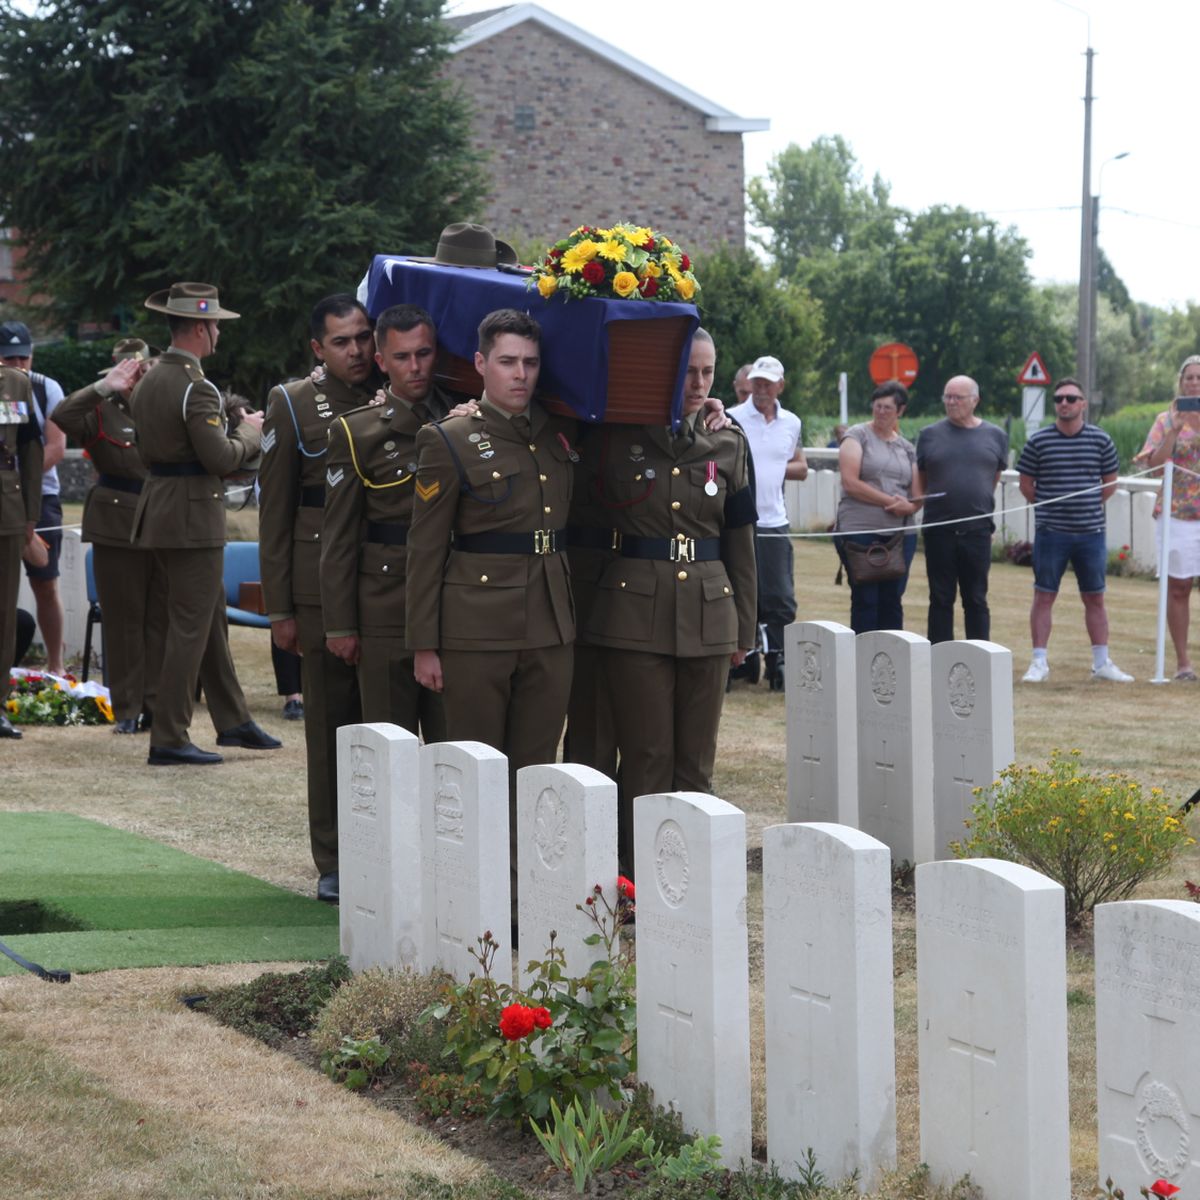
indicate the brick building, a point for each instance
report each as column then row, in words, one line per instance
column 577, row 131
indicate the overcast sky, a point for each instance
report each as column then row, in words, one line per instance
column 973, row 102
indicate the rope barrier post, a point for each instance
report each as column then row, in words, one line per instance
column 1164, row 550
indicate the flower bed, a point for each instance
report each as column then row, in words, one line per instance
column 35, row 698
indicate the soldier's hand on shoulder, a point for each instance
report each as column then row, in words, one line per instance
column 715, row 418
column 465, row 408
column 253, row 419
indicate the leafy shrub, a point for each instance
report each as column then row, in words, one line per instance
column 357, row 1062
column 440, row 1094
column 276, row 1005
column 581, row 1141
column 1096, row 834
column 74, row 364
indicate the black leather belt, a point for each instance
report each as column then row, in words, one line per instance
column 676, row 549
column 387, row 533
column 540, row 541
column 589, row 537
column 173, row 469
column 313, row 496
column 120, row 484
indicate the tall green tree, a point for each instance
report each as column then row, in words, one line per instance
column 268, row 146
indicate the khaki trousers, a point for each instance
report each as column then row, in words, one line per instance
column 132, row 592
column 390, row 691
column 10, row 587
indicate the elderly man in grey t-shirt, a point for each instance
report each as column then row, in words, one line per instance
column 959, row 461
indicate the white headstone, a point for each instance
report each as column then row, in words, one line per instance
column 464, row 862
column 895, row 743
column 1148, row 1043
column 693, row 982
column 830, row 1035
column 1118, row 520
column 992, row 1028
column 379, row 846
column 972, row 694
column 566, row 844
column 822, row 722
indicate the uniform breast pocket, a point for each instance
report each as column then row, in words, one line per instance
column 624, row 603
column 708, row 489
column 718, row 614
column 483, row 597
column 626, row 484
column 490, row 481
column 205, row 510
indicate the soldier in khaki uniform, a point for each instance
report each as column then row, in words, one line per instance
column 677, row 605
column 129, row 584
column 293, row 482
column 20, row 504
column 180, row 418
column 491, row 617
column 368, row 511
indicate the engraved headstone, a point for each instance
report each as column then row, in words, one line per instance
column 822, row 723
column 992, row 1028
column 1148, row 1043
column 827, row 945
column 972, row 705
column 566, row 844
column 379, row 846
column 466, row 885
column 895, row 743
column 693, row 985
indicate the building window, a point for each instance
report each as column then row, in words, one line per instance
column 523, row 119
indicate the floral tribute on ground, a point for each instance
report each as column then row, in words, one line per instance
column 43, row 699
column 626, row 262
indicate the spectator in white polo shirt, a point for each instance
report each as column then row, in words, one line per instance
column 773, row 433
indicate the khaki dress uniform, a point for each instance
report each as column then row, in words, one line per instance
column 679, row 599
column 20, row 501
column 496, row 603
column 291, row 516
column 129, row 579
column 368, row 511
column 180, row 419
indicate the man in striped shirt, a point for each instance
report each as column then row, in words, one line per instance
column 1072, row 465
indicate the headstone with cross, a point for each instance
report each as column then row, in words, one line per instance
column 992, row 1028
column 822, row 723
column 827, row 946
column 972, row 709
column 1148, row 1042
column 566, row 845
column 693, row 983
column 895, row 743
column 379, row 846
column 464, row 856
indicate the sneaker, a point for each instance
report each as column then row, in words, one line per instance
column 1112, row 672
column 1039, row 671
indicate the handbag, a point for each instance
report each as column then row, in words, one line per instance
column 877, row 563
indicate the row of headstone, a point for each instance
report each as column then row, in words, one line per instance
column 891, row 735
column 425, row 871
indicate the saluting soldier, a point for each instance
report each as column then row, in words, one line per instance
column 292, row 482
column 20, row 504
column 677, row 605
column 129, row 582
column 182, row 436
column 368, row 511
column 490, row 617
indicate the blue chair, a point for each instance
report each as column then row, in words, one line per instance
column 241, row 566
column 94, row 616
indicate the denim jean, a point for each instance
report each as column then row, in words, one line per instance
column 1086, row 552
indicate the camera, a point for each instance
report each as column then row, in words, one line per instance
column 1187, row 403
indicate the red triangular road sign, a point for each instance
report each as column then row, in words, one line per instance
column 1034, row 373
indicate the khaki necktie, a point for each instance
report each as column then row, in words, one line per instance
column 422, row 413
column 522, row 426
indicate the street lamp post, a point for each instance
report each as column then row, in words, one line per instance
column 1087, row 270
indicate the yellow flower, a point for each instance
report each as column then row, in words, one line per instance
column 624, row 283
column 613, row 250
column 547, row 285
column 666, row 241
column 651, row 268
column 1129, row 816
column 104, row 707
column 604, row 233
column 579, row 255
column 685, row 287
column 639, row 235
column 13, row 706
column 1108, row 837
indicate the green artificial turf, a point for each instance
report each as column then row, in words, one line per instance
column 104, row 899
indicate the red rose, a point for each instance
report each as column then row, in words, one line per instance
column 593, row 272
column 685, row 263
column 542, row 1018
column 1161, row 1187
column 516, row 1022
column 625, row 888
column 556, row 252
column 648, row 286
column 648, row 244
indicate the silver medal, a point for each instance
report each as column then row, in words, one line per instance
column 649, row 472
column 710, row 488
column 474, row 437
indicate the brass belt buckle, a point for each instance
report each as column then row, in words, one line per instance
column 683, row 549
column 543, row 541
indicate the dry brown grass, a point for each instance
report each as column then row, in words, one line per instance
column 108, row 1044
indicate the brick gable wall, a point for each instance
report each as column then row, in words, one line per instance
column 604, row 146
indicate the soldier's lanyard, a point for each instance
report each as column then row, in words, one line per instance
column 598, row 481
column 464, row 485
column 101, row 436
column 296, row 426
column 358, row 470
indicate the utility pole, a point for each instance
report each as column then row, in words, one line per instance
column 1087, row 249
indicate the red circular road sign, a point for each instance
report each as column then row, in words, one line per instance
column 894, row 361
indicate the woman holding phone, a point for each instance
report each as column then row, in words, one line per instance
column 1175, row 435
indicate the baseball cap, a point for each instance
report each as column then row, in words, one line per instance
column 766, row 368
column 15, row 340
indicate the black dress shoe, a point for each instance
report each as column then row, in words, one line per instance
column 293, row 710
column 129, row 725
column 327, row 887
column 145, row 721
column 8, row 729
column 249, row 736
column 181, row 756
